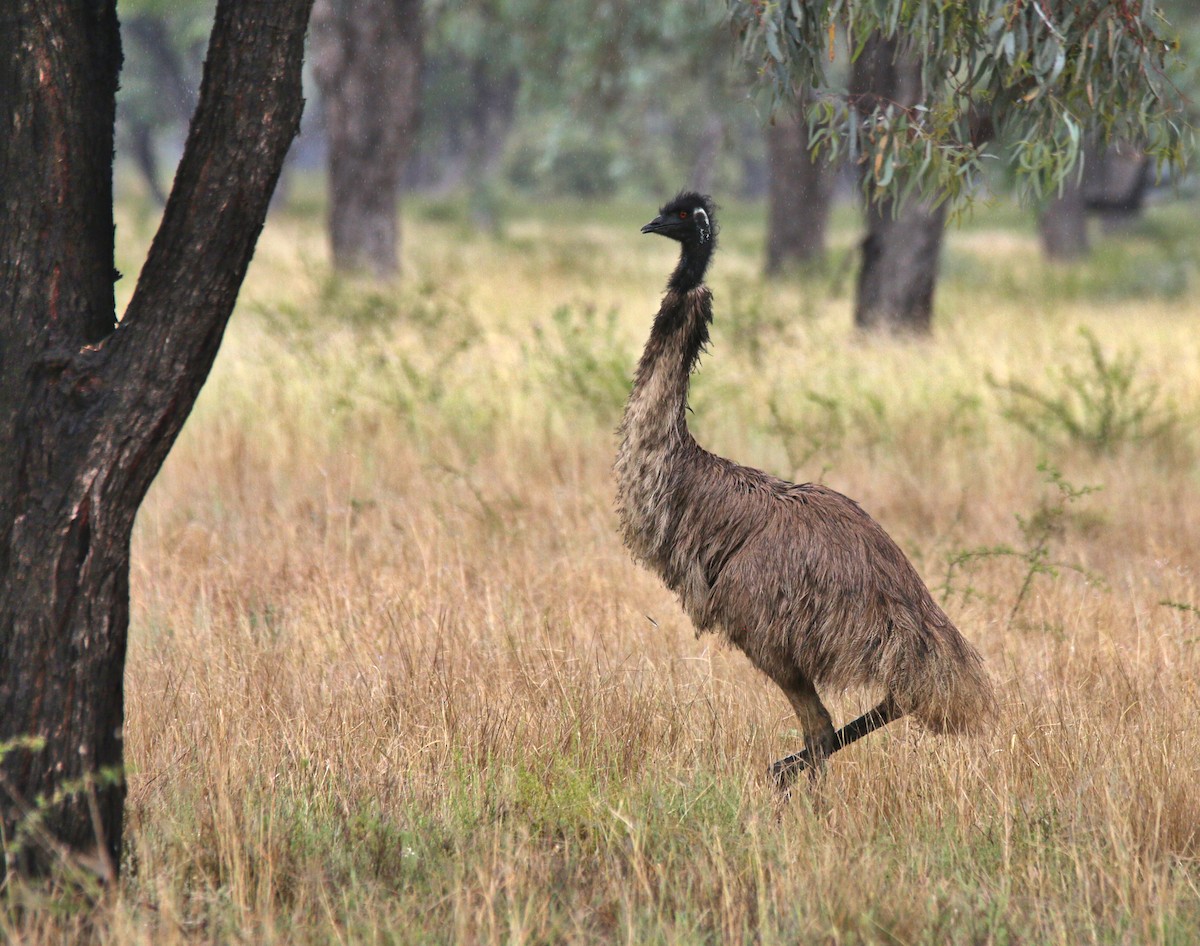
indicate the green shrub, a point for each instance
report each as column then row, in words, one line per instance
column 1101, row 405
column 583, row 360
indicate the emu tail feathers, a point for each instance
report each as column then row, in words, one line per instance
column 937, row 676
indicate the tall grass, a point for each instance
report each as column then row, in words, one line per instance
column 392, row 677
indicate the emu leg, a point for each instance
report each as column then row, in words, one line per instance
column 819, row 737
column 785, row 770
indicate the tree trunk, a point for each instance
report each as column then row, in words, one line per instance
column 899, row 267
column 89, row 409
column 1115, row 183
column 145, row 156
column 491, row 113
column 1063, row 224
column 174, row 102
column 900, row 252
column 367, row 62
column 798, row 195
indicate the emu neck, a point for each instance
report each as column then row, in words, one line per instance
column 693, row 261
column 657, row 408
column 654, row 434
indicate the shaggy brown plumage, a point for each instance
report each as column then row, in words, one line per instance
column 798, row 576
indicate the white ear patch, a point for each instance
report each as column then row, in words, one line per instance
column 701, row 214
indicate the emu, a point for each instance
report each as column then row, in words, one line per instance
column 798, row 576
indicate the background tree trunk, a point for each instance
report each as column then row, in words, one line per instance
column 367, row 62
column 89, row 410
column 900, row 252
column 174, row 98
column 1062, row 224
column 1115, row 183
column 151, row 31
column 798, row 194
column 899, row 267
column 140, row 137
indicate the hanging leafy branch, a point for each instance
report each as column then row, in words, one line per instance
column 1037, row 76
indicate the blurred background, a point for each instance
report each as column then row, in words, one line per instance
column 483, row 110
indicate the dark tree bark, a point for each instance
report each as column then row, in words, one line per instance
column 901, row 249
column 367, row 61
column 798, row 195
column 89, row 408
column 899, row 267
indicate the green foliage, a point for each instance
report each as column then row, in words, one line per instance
column 1040, row 530
column 1101, row 406
column 29, row 743
column 1181, row 606
column 753, row 324
column 1044, row 77
column 583, row 359
column 824, row 422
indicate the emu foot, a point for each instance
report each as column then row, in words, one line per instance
column 784, row 771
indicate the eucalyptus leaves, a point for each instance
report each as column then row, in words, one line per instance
column 1036, row 77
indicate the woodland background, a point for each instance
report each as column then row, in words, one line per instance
column 392, row 676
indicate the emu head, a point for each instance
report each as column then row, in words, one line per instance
column 690, row 218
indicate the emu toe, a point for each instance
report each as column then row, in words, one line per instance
column 784, row 771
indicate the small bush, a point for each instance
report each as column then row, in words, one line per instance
column 583, row 359
column 823, row 424
column 1040, row 530
column 753, row 327
column 1100, row 406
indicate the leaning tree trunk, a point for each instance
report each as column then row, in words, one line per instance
column 901, row 249
column 89, row 409
column 798, row 194
column 367, row 62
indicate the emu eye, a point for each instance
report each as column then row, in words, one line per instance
column 683, row 215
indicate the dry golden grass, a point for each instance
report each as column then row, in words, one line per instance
column 392, row 677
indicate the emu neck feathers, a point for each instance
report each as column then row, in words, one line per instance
column 654, row 434
column 693, row 262
column 678, row 337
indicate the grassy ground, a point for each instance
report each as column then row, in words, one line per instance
column 393, row 678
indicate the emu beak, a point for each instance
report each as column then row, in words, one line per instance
column 654, row 225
